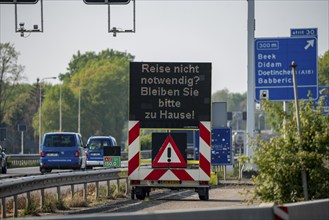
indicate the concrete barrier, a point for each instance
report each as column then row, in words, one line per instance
column 317, row 210
column 252, row 213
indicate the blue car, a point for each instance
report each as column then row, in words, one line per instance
column 62, row 150
column 95, row 149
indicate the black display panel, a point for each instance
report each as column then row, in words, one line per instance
column 170, row 95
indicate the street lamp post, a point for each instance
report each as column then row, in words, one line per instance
column 79, row 103
column 40, row 108
column 79, row 109
column 60, row 107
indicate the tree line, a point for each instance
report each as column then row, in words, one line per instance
column 100, row 82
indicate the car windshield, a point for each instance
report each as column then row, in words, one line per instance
column 99, row 143
column 59, row 140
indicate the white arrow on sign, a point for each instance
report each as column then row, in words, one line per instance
column 310, row 43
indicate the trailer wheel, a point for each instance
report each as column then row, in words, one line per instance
column 140, row 193
column 203, row 193
column 132, row 193
column 141, row 196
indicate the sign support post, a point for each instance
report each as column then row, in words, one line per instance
column 304, row 178
column 251, row 77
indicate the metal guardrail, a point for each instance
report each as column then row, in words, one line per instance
column 20, row 160
column 14, row 187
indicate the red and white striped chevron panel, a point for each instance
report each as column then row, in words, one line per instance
column 281, row 213
column 136, row 172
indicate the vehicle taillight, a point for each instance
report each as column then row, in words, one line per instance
column 204, row 183
column 77, row 154
column 86, row 153
column 135, row 182
column 42, row 154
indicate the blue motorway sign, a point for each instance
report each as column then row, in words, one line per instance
column 273, row 58
column 221, row 150
column 303, row 32
column 221, row 146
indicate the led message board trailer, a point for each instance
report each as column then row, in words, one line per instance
column 170, row 95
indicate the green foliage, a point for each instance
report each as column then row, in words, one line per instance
column 242, row 159
column 51, row 110
column 101, row 81
column 323, row 69
column 31, row 208
column 235, row 101
column 146, row 141
column 275, row 114
column 22, row 106
column 50, row 202
column 281, row 160
column 60, row 205
column 10, row 74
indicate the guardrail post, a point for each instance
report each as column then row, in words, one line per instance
column 15, row 206
column 42, row 199
column 85, row 193
column 108, row 188
column 3, row 207
column 72, row 190
column 59, row 193
column 127, row 186
column 28, row 197
column 97, row 190
column 118, row 184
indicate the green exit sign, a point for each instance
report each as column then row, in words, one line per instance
column 112, row 161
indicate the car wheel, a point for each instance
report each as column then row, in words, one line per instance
column 43, row 171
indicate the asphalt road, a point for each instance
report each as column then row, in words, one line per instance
column 221, row 196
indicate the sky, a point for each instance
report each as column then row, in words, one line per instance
column 166, row 31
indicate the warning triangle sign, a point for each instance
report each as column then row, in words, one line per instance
column 169, row 155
